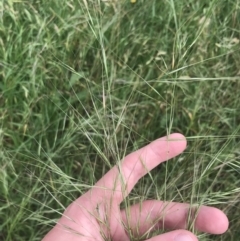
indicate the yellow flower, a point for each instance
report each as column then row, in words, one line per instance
column 133, row 1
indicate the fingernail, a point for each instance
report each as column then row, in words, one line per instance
column 183, row 237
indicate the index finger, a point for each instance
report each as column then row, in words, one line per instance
column 117, row 183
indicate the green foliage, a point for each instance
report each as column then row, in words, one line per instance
column 85, row 82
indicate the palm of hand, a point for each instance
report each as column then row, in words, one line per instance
column 96, row 216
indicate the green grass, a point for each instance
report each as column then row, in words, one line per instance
column 85, row 82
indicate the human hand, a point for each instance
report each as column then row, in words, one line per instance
column 96, row 215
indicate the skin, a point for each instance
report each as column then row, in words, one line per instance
column 96, row 215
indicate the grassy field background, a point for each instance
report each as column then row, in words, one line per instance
column 85, row 82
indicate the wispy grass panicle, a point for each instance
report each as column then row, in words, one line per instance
column 84, row 83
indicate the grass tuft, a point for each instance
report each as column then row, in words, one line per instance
column 83, row 83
